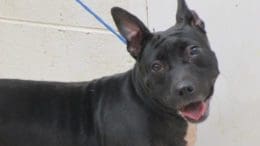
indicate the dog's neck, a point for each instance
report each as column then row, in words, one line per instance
column 142, row 91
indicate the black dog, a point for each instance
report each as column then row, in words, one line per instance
column 150, row 105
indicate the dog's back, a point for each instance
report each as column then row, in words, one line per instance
column 44, row 113
column 38, row 113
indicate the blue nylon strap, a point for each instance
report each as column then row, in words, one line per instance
column 99, row 19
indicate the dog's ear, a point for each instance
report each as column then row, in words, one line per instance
column 132, row 29
column 186, row 16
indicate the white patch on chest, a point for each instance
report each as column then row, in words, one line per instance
column 191, row 136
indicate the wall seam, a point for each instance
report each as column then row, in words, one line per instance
column 53, row 25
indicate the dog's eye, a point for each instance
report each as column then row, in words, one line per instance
column 194, row 50
column 157, row 66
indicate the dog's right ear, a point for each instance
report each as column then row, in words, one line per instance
column 188, row 17
column 132, row 29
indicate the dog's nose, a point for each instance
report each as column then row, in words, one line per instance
column 185, row 88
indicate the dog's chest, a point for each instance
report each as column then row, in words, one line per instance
column 134, row 128
column 188, row 140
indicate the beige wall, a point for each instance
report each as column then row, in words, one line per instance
column 58, row 40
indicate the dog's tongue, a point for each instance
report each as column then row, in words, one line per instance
column 195, row 111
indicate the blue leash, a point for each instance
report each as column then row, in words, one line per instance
column 99, row 19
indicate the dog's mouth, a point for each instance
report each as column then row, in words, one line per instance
column 195, row 112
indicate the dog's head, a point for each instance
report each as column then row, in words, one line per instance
column 175, row 68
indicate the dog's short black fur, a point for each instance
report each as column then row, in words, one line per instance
column 150, row 105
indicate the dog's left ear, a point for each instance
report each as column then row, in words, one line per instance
column 186, row 16
column 132, row 29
